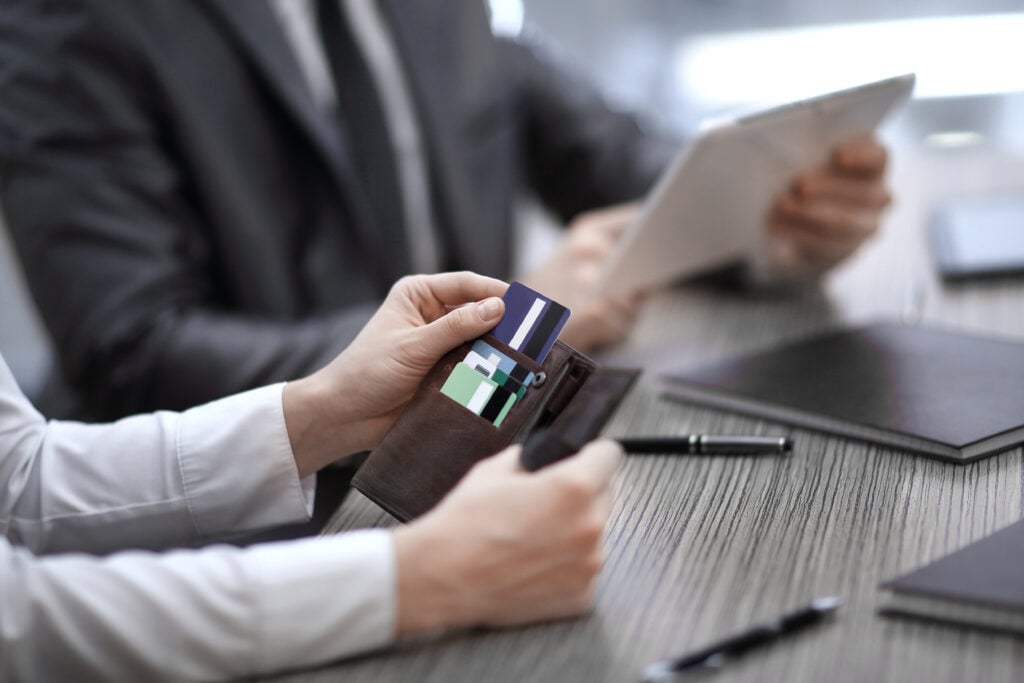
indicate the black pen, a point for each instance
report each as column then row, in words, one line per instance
column 719, row 653
column 707, row 444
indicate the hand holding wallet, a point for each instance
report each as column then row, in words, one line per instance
column 485, row 395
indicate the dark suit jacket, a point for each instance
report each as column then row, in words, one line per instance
column 189, row 224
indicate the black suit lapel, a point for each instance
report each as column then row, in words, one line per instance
column 256, row 28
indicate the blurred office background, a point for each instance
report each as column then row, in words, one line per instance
column 680, row 61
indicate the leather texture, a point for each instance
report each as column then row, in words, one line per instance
column 581, row 420
column 436, row 441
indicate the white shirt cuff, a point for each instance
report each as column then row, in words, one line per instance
column 237, row 465
column 325, row 598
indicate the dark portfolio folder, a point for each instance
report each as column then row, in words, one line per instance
column 943, row 394
column 980, row 585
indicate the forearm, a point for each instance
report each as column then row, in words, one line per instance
column 148, row 481
column 195, row 615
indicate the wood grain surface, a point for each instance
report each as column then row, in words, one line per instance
column 701, row 547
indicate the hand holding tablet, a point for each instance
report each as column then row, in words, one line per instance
column 711, row 206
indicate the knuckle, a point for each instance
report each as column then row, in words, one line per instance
column 592, row 564
column 575, row 491
column 407, row 345
column 582, row 278
column 455, row 322
column 406, row 282
column 480, row 466
column 592, row 531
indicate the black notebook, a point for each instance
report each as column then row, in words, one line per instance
column 943, row 394
column 981, row 585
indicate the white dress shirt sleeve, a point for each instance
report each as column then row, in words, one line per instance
column 211, row 614
column 149, row 481
column 164, row 479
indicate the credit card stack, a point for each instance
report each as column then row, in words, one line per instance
column 488, row 382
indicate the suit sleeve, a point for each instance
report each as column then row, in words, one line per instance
column 580, row 153
column 115, row 255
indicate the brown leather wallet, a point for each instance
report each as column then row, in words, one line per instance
column 435, row 441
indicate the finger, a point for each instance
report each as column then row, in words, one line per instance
column 591, row 244
column 459, row 325
column 615, row 307
column 861, row 192
column 811, row 248
column 595, row 465
column 604, row 502
column 827, row 218
column 451, row 289
column 617, row 317
column 639, row 298
column 615, row 326
column 595, row 329
column 611, row 221
column 599, row 330
column 626, row 305
column 861, row 156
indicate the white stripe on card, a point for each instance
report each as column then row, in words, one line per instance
column 480, row 396
column 527, row 324
column 482, row 365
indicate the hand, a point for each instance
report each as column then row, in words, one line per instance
column 349, row 405
column 568, row 276
column 507, row 546
column 829, row 212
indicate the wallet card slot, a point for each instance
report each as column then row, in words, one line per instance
column 511, row 423
column 524, row 398
column 524, row 360
column 437, row 439
column 431, row 448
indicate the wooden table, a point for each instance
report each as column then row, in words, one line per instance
column 703, row 547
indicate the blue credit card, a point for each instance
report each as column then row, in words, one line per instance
column 531, row 322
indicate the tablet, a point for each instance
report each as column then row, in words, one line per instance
column 978, row 237
column 709, row 207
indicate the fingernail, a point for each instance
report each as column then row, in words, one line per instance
column 489, row 309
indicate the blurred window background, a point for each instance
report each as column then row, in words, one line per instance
column 680, row 61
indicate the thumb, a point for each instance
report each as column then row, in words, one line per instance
column 594, row 466
column 460, row 325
